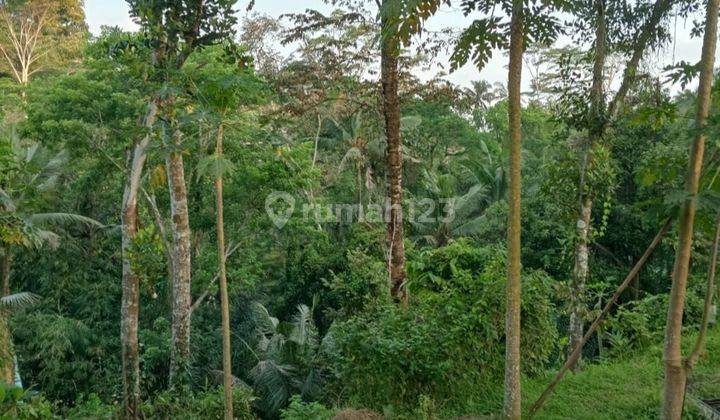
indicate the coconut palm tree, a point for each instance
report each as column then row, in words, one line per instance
column 361, row 151
column 32, row 172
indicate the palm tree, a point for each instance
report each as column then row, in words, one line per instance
column 33, row 172
column 360, row 153
column 460, row 215
column 484, row 93
column 486, row 169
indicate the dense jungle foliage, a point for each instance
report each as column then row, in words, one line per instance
column 319, row 325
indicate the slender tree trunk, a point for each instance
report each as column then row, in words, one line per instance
column 5, row 336
column 582, row 228
column 391, row 111
column 675, row 372
column 130, row 306
column 130, row 309
column 7, row 371
column 224, row 298
column 659, row 10
column 580, row 274
column 317, row 139
column 512, row 408
column 599, row 123
column 5, row 270
column 180, row 352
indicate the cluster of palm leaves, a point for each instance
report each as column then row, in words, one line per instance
column 29, row 173
column 468, row 184
column 468, row 179
column 34, row 171
column 287, row 357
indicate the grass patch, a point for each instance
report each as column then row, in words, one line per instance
column 626, row 388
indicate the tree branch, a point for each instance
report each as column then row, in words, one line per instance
column 692, row 359
column 205, row 294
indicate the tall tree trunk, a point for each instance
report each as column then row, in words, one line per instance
column 180, row 351
column 580, row 274
column 391, row 111
column 7, row 371
column 6, row 358
column 675, row 372
column 582, row 227
column 130, row 306
column 596, row 131
column 224, row 298
column 512, row 320
column 5, row 270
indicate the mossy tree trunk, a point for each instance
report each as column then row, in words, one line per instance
column 390, row 49
column 585, row 205
column 180, row 226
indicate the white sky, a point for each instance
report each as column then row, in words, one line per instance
column 115, row 13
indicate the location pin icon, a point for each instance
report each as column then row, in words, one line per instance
column 279, row 206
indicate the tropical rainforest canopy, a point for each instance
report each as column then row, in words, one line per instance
column 226, row 214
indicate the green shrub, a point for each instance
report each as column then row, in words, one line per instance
column 300, row 410
column 205, row 405
column 451, row 339
column 640, row 323
column 92, row 407
column 16, row 403
column 364, row 283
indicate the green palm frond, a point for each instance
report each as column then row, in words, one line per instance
column 6, row 201
column 38, row 237
column 266, row 324
column 62, row 219
column 352, row 155
column 470, row 228
column 18, row 300
column 273, row 382
column 304, row 332
column 275, row 347
column 311, row 386
column 471, row 202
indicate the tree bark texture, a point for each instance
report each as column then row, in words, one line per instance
column 391, row 111
column 600, row 118
column 130, row 304
column 512, row 409
column 224, row 298
column 675, row 371
column 5, row 270
column 6, row 358
column 180, row 351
